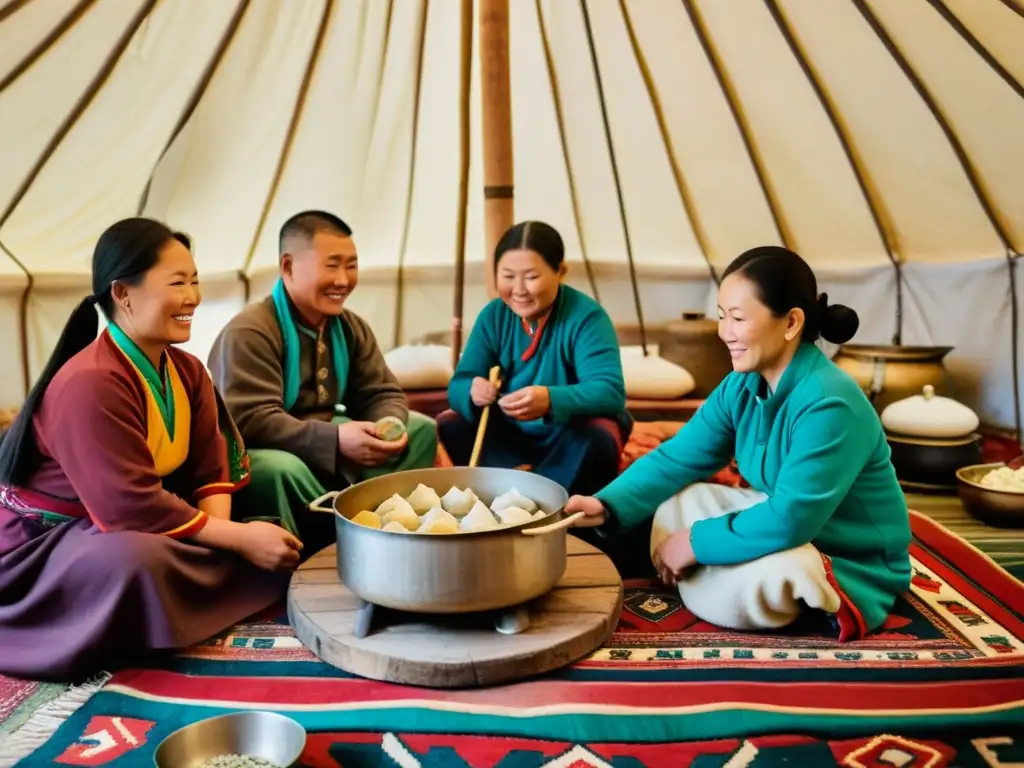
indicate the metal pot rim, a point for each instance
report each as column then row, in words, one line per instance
column 893, row 353
column 460, row 533
column 338, row 497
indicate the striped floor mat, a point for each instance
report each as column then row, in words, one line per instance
column 1004, row 545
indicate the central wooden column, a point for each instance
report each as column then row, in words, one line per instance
column 496, row 113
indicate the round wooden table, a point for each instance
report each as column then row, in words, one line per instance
column 443, row 651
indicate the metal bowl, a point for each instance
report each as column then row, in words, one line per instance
column 451, row 573
column 268, row 735
column 1003, row 509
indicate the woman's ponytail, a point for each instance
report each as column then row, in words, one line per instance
column 19, row 454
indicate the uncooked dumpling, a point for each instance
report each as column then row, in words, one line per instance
column 367, row 518
column 514, row 516
column 438, row 521
column 423, row 499
column 513, row 498
column 402, row 513
column 393, row 503
column 457, row 502
column 395, row 527
column 478, row 519
column 539, row 514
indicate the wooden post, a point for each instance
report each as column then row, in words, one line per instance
column 465, row 70
column 496, row 113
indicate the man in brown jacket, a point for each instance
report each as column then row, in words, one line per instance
column 306, row 382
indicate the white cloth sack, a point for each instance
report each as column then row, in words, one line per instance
column 767, row 593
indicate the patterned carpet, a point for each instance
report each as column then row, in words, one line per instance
column 35, row 710
column 666, row 690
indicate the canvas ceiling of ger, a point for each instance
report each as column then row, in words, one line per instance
column 881, row 139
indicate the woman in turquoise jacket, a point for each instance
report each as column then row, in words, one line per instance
column 825, row 524
column 561, row 409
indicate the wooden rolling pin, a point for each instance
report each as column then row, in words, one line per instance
column 480, row 430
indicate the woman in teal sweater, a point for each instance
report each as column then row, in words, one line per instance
column 564, row 411
column 825, row 525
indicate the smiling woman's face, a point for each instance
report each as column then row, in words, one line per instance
column 162, row 305
column 526, row 283
column 755, row 337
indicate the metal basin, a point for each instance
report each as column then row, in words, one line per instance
column 1002, row 509
column 451, row 573
column 268, row 735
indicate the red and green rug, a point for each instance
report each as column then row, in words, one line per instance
column 398, row 749
column 944, row 678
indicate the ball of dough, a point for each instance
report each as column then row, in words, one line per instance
column 390, row 429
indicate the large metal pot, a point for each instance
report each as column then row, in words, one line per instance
column 451, row 573
column 890, row 373
column 1002, row 509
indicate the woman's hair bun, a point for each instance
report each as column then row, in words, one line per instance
column 838, row 323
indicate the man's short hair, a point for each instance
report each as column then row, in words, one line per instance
column 307, row 223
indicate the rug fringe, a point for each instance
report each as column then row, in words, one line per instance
column 45, row 721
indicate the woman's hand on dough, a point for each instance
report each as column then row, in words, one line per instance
column 592, row 509
column 526, row 404
column 674, row 556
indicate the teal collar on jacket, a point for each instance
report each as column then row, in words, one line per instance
column 804, row 361
column 285, row 310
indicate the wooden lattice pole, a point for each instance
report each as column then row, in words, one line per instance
column 496, row 114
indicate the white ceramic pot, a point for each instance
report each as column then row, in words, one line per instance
column 929, row 415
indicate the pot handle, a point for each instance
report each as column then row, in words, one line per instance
column 565, row 522
column 314, row 505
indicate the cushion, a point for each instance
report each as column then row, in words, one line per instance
column 421, row 366
column 653, row 377
column 7, row 417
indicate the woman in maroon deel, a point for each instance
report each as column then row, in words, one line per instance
column 116, row 481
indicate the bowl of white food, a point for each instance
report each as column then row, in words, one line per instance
column 993, row 493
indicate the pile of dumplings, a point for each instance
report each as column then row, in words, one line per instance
column 458, row 511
